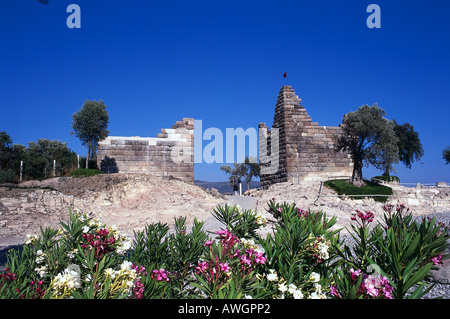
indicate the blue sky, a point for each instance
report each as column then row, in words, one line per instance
column 154, row 62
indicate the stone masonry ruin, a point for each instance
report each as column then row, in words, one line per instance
column 305, row 149
column 169, row 154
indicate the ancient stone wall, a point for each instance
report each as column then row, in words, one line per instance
column 171, row 153
column 306, row 150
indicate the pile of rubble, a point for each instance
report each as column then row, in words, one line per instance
column 128, row 201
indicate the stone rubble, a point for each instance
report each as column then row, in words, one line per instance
column 125, row 200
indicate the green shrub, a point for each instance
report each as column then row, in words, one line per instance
column 85, row 172
column 397, row 255
column 343, row 187
column 7, row 176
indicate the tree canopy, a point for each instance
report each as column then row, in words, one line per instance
column 237, row 172
column 369, row 138
column 90, row 125
column 446, row 155
column 37, row 158
column 410, row 149
column 247, row 170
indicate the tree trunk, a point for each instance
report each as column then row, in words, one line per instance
column 357, row 178
column 88, row 156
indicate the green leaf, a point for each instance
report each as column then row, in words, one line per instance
column 418, row 276
column 419, row 293
column 411, row 248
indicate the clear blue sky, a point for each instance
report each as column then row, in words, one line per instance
column 154, row 62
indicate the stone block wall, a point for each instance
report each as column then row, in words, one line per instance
column 306, row 150
column 171, row 153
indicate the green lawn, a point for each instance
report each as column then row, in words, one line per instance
column 342, row 187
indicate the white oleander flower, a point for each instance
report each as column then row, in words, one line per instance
column 323, row 251
column 297, row 294
column 31, row 239
column 261, row 219
column 282, row 287
column 272, row 276
column 40, row 256
column 318, row 288
column 109, row 272
column 126, row 265
column 292, row 288
column 71, row 253
column 41, row 271
column 123, row 244
column 314, row 295
column 68, row 279
column 315, row 277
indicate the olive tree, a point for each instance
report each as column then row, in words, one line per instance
column 90, row 125
column 369, row 138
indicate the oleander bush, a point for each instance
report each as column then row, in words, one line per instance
column 302, row 256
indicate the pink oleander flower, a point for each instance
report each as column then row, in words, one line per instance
column 437, row 259
column 245, row 260
column 259, row 258
column 160, row 275
column 208, row 243
column 369, row 285
column 334, row 291
column 355, row 274
column 138, row 290
column 202, row 267
column 364, row 218
column 140, row 270
column 224, row 267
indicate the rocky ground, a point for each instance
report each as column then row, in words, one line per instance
column 423, row 201
column 125, row 200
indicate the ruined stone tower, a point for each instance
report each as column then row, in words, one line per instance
column 305, row 149
column 171, row 153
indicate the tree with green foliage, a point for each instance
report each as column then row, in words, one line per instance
column 39, row 157
column 10, row 156
column 410, row 149
column 90, row 125
column 369, row 138
column 446, row 155
column 252, row 170
column 5, row 150
column 237, row 172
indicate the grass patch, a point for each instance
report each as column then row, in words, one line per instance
column 342, row 187
column 85, row 172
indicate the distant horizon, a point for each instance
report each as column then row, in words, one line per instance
column 153, row 63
